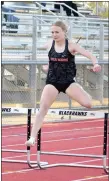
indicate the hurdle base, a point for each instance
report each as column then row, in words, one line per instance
column 24, row 161
column 72, row 154
column 37, row 164
column 71, row 165
column 106, row 169
column 15, row 151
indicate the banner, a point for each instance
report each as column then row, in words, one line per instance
column 61, row 112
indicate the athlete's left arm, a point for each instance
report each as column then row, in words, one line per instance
column 82, row 51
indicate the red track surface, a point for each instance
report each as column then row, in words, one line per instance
column 83, row 137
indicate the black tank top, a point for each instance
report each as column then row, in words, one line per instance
column 62, row 68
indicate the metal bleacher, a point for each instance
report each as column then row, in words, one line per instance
column 21, row 50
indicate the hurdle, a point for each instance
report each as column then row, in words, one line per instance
column 72, row 112
column 27, row 152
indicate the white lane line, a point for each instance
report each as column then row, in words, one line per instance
column 60, row 131
column 77, row 122
column 69, row 139
column 26, row 170
column 19, row 171
column 13, row 127
column 85, row 148
column 96, row 177
column 74, row 149
column 49, row 141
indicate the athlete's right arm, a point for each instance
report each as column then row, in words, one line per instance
column 44, row 47
column 47, row 47
column 45, row 68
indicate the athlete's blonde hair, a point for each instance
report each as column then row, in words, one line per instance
column 62, row 25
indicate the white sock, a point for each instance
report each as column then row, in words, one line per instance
column 32, row 139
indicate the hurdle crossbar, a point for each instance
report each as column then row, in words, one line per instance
column 103, row 157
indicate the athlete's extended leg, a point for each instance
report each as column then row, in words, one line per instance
column 77, row 93
column 48, row 96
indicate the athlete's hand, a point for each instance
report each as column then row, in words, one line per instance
column 96, row 68
column 45, row 68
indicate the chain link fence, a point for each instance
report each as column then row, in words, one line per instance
column 17, row 86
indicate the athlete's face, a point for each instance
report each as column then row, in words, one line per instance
column 57, row 33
